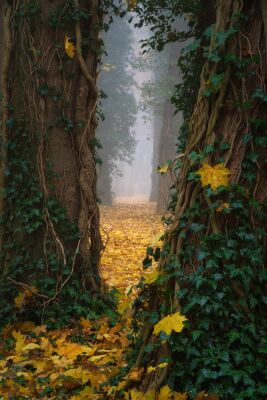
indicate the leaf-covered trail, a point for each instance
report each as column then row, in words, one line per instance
column 129, row 227
column 74, row 362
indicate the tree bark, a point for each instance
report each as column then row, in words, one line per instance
column 222, row 127
column 52, row 102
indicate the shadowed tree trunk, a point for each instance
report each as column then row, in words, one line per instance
column 214, row 258
column 49, row 232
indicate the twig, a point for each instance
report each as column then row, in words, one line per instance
column 25, row 286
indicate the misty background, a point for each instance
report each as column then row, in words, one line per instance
column 137, row 129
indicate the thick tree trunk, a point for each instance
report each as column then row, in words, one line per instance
column 216, row 245
column 51, row 106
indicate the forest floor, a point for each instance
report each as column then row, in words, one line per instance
column 129, row 227
column 75, row 362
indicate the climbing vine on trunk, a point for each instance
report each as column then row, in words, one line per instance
column 213, row 263
column 50, row 241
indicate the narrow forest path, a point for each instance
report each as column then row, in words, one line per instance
column 128, row 228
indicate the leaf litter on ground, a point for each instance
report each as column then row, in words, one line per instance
column 75, row 362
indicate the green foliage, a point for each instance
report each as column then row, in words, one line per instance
column 218, row 353
column 222, row 276
column 24, row 223
column 30, row 253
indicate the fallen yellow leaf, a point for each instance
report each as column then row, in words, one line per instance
column 20, row 341
column 151, row 277
column 165, row 393
column 30, row 346
column 135, row 374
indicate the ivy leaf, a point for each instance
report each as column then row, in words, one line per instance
column 69, row 47
column 173, row 322
column 214, row 176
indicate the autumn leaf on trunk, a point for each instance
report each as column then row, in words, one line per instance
column 173, row 322
column 69, row 47
column 214, row 176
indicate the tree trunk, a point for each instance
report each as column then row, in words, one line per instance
column 214, row 258
column 50, row 234
column 165, row 141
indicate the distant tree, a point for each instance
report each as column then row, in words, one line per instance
column 156, row 103
column 118, row 105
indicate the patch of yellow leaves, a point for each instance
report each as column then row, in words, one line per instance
column 165, row 393
column 173, row 322
column 129, row 230
column 214, row 176
column 151, row 277
column 61, row 363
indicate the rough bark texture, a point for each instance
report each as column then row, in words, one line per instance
column 216, row 119
column 57, row 95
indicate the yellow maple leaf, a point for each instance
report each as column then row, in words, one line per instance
column 151, row 369
column 61, row 362
column 156, row 240
column 124, row 303
column 69, row 47
column 173, row 322
column 151, row 277
column 78, row 373
column 165, row 393
column 20, row 341
column 30, row 346
column 86, row 323
column 150, row 395
column 214, row 176
column 73, row 350
column 164, row 168
column 134, row 394
column 46, row 346
column 163, row 365
column 135, row 373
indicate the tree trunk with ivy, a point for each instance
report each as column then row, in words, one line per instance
column 50, row 242
column 213, row 260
